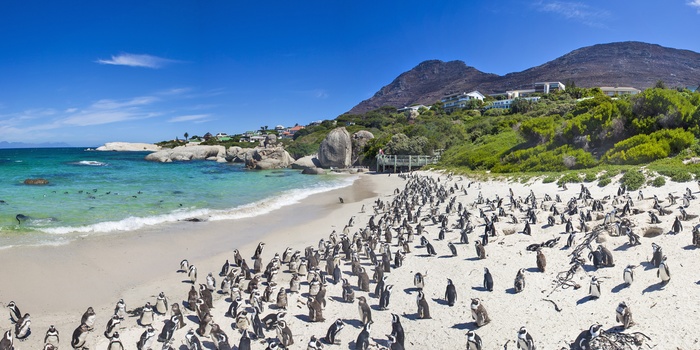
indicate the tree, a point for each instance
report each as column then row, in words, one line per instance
column 186, row 134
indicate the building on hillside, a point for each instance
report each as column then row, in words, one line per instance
column 549, row 87
column 617, row 91
column 460, row 100
column 279, row 127
column 412, row 108
column 505, row 104
column 693, row 88
column 289, row 132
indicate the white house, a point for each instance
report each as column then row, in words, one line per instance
column 460, row 100
column 617, row 91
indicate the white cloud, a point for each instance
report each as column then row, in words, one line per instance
column 196, row 118
column 135, row 60
column 575, row 11
column 112, row 104
column 695, row 4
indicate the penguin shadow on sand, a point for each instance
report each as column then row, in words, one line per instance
column 304, row 317
column 473, row 258
column 192, row 318
column 585, row 299
column 618, row 288
column 440, row 301
column 690, row 247
column 511, row 290
column 354, row 323
column 647, row 265
column 623, row 247
column 411, row 290
column 481, row 288
column 446, row 256
column 654, row 287
column 469, row 326
column 532, row 269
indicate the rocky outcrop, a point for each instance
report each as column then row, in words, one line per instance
column 270, row 140
column 336, row 149
column 36, row 182
column 182, row 153
column 308, row 162
column 128, row 146
column 261, row 158
column 359, row 141
column 313, row 171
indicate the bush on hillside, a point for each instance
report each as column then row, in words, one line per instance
column 633, row 180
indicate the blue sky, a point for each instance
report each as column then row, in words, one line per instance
column 89, row 72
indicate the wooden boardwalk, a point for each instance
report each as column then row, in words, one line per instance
column 404, row 161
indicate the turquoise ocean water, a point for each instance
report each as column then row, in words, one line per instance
column 92, row 192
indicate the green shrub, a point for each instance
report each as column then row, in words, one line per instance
column 633, row 180
column 604, row 182
column 659, row 181
column 590, row 177
column 549, row 179
column 569, row 178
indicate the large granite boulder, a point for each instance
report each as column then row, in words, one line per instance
column 313, row 171
column 308, row 162
column 267, row 158
column 270, row 140
column 359, row 141
column 182, row 153
column 336, row 149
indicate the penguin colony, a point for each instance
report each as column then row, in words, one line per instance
column 266, row 302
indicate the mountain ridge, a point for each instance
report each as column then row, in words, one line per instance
column 629, row 63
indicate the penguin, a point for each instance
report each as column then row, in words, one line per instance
column 192, row 297
column 336, row 274
column 205, row 294
column 419, row 280
column 22, row 327
column 244, row 343
column 525, row 341
column 480, row 250
column 6, row 343
column 362, row 342
column 294, row 283
column 314, row 344
column 315, row 310
column 423, row 308
column 628, row 274
column 175, row 310
column 192, row 341
column 79, row 335
column 242, row 321
column 282, row 299
column 430, row 249
column 211, row 282
column 663, row 272
column 333, row 330
column 450, row 293
column 479, row 314
column 52, row 337
column 364, row 309
column 473, row 341
column 112, row 325
column 219, row 337
column 284, row 334
column 379, row 287
column 386, row 295
column 258, row 250
column 656, row 255
column 584, row 339
column 15, row 314
column 393, row 344
column 348, row 292
column 237, row 258
column 89, row 318
column 677, row 227
column 363, row 280
column 623, row 314
column 606, row 256
column 169, row 328
column 192, row 274
column 146, row 318
column 115, row 343
column 488, row 280
column 120, row 309
column 397, row 329
column 184, row 266
column 146, row 339
column 594, row 288
column 452, row 247
column 519, row 284
column 541, row 261
column 161, row 304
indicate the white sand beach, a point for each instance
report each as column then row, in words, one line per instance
column 55, row 285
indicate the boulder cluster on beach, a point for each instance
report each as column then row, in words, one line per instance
column 443, row 262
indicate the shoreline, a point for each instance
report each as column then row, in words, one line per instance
column 99, row 270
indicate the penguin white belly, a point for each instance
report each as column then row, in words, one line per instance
column 628, row 277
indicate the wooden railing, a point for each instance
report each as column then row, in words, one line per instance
column 404, row 161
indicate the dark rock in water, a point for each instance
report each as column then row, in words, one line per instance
column 313, row 171
column 36, row 182
column 194, row 220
